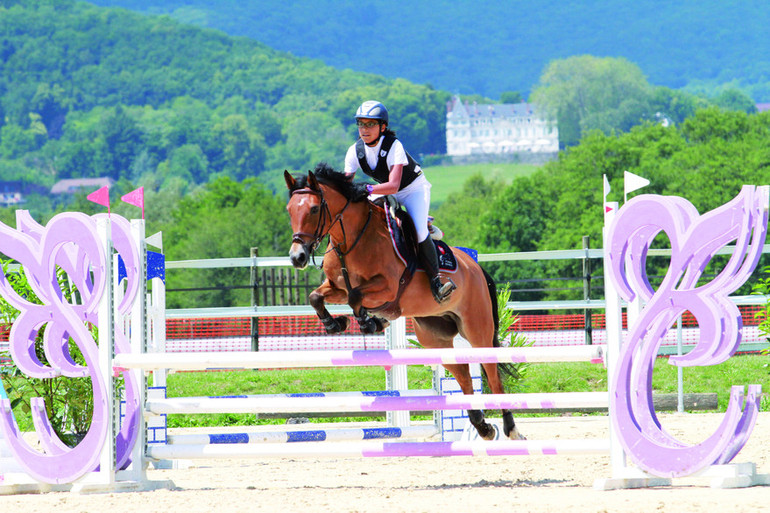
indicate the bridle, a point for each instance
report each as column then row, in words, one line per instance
column 315, row 237
column 312, row 241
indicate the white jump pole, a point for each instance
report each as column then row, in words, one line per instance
column 304, row 435
column 342, row 358
column 256, row 404
column 381, row 449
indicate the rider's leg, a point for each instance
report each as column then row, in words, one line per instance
column 429, row 259
column 416, row 198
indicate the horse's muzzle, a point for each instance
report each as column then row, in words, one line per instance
column 299, row 255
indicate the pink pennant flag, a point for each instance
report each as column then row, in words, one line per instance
column 101, row 196
column 135, row 198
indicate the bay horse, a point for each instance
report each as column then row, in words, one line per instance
column 362, row 269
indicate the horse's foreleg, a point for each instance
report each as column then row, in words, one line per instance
column 496, row 387
column 317, row 299
column 366, row 323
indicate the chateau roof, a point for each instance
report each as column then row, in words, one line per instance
column 458, row 109
column 71, row 185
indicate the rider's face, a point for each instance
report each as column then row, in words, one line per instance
column 370, row 130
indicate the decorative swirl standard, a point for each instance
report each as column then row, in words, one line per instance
column 694, row 240
column 69, row 241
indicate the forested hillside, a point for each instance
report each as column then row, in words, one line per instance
column 487, row 47
column 198, row 117
column 88, row 91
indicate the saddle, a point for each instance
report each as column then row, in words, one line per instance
column 403, row 236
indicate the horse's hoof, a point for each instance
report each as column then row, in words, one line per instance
column 368, row 327
column 514, row 434
column 336, row 325
column 381, row 324
column 488, row 432
column 343, row 322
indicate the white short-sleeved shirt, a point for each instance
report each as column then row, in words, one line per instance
column 396, row 155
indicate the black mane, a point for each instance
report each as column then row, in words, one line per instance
column 337, row 180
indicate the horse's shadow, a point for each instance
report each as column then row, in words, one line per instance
column 500, row 483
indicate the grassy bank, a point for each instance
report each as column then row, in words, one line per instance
column 555, row 377
column 448, row 179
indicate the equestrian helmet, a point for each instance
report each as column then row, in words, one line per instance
column 372, row 109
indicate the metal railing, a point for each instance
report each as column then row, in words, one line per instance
column 569, row 254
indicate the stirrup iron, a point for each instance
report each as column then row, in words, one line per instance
column 441, row 291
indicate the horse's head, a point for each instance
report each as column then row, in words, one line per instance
column 309, row 217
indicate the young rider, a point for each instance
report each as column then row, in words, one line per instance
column 381, row 156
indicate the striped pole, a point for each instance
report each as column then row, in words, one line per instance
column 380, row 449
column 257, row 404
column 308, row 435
column 347, row 358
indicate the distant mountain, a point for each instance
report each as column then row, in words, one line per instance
column 487, row 47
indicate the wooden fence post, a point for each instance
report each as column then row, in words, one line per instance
column 587, row 289
column 254, row 321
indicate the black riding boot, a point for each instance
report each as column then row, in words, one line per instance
column 429, row 260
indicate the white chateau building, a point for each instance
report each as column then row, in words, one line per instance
column 473, row 129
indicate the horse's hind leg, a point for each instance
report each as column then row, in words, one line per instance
column 496, row 387
column 462, row 374
column 440, row 332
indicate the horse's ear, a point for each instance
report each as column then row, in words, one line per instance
column 311, row 181
column 291, row 183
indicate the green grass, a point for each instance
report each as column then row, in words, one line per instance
column 586, row 377
column 448, row 179
column 552, row 377
column 187, row 384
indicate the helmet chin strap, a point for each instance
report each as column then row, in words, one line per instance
column 376, row 139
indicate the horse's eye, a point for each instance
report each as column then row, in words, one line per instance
column 314, row 209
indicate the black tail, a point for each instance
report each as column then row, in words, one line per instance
column 506, row 369
column 495, row 314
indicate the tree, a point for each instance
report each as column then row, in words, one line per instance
column 735, row 99
column 584, row 93
column 187, row 162
column 510, row 97
column 15, row 141
column 674, row 105
column 225, row 218
column 460, row 215
column 50, row 102
column 243, row 150
column 123, row 139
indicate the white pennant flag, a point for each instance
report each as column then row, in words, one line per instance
column 632, row 182
column 606, row 193
column 155, row 240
